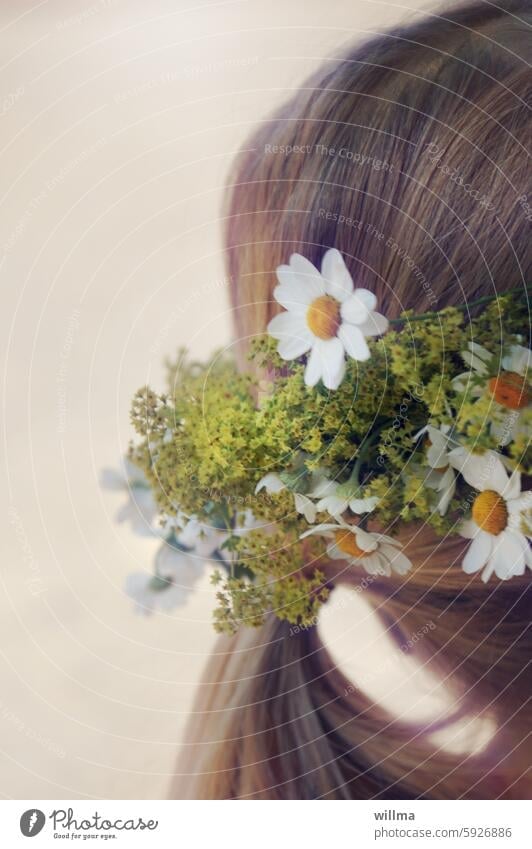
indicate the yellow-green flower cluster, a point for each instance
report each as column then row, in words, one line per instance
column 210, row 439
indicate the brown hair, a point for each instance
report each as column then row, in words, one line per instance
column 409, row 155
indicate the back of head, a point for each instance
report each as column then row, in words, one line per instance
column 409, row 155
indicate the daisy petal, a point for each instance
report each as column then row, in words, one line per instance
column 294, row 296
column 389, row 540
column 354, row 309
column 376, row 564
column 308, row 275
column 366, row 541
column 509, row 557
column 446, row 498
column 296, row 289
column 294, row 346
column 314, row 367
column 478, row 553
column 375, row 324
column 333, row 504
column 305, row 507
column 521, row 504
column 271, row 482
column 353, row 341
column 338, row 281
column 324, row 488
column 487, row 572
column 334, row 380
column 398, row 561
column 367, row 298
column 292, row 333
column 468, row 529
column 474, row 362
column 512, row 489
column 286, row 324
column 482, row 471
column 519, row 360
column 320, row 530
column 331, row 352
column 363, row 505
column 479, row 351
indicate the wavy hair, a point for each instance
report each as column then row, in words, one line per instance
column 409, row 155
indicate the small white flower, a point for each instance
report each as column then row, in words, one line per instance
column 325, row 315
column 441, row 477
column 442, row 481
column 201, row 538
column 336, row 498
column 140, row 509
column 501, row 517
column 272, row 483
column 508, row 387
column 377, row 553
column 204, row 540
column 439, row 445
column 171, row 586
column 305, row 507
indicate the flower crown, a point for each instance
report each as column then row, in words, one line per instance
column 374, row 425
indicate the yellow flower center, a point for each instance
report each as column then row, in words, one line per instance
column 510, row 390
column 346, row 542
column 323, row 317
column 490, row 512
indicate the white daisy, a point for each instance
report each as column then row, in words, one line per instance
column 140, row 509
column 377, row 553
column 325, row 315
column 170, row 587
column 336, row 498
column 272, row 483
column 441, row 477
column 508, row 387
column 500, row 527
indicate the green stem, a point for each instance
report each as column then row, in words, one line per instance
column 484, row 300
column 362, row 454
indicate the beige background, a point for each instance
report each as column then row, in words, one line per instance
column 119, row 121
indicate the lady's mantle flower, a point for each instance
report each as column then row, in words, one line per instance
column 176, row 573
column 509, row 388
column 325, row 315
column 335, row 498
column 377, row 553
column 501, row 523
column 441, row 477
